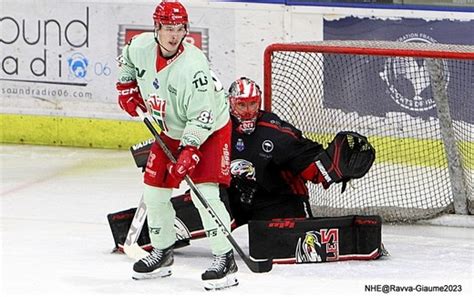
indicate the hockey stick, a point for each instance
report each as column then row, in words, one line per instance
column 131, row 247
column 255, row 266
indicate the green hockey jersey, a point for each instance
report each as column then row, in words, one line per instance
column 179, row 92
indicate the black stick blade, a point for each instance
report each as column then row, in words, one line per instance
column 259, row 266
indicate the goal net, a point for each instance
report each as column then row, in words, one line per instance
column 414, row 101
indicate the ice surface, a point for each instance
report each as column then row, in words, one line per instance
column 55, row 240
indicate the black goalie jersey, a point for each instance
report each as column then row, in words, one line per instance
column 266, row 165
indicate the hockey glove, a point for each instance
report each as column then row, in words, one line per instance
column 129, row 97
column 348, row 156
column 186, row 162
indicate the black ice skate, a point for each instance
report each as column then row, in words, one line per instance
column 156, row 264
column 222, row 272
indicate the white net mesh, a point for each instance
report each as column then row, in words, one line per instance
column 382, row 90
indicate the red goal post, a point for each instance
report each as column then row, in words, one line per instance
column 414, row 101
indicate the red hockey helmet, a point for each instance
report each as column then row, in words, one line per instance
column 245, row 99
column 170, row 13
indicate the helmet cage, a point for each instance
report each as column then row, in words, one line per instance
column 245, row 90
column 244, row 115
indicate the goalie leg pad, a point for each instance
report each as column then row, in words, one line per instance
column 316, row 239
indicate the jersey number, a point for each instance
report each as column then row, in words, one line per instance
column 206, row 117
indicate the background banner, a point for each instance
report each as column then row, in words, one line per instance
column 61, row 59
column 397, row 84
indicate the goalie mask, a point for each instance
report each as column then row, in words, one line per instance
column 245, row 100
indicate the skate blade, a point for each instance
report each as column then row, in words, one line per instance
column 221, row 284
column 160, row 273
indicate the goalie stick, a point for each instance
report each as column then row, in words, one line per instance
column 264, row 265
column 130, row 246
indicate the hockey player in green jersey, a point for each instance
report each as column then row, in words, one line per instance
column 172, row 78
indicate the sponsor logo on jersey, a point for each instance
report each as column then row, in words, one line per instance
column 156, row 83
column 200, row 81
column 243, row 168
column 318, row 246
column 172, row 90
column 225, row 161
column 140, row 72
column 239, row 145
column 275, row 122
column 246, row 126
column 267, row 146
column 408, row 79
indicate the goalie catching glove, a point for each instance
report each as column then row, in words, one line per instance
column 348, row 156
